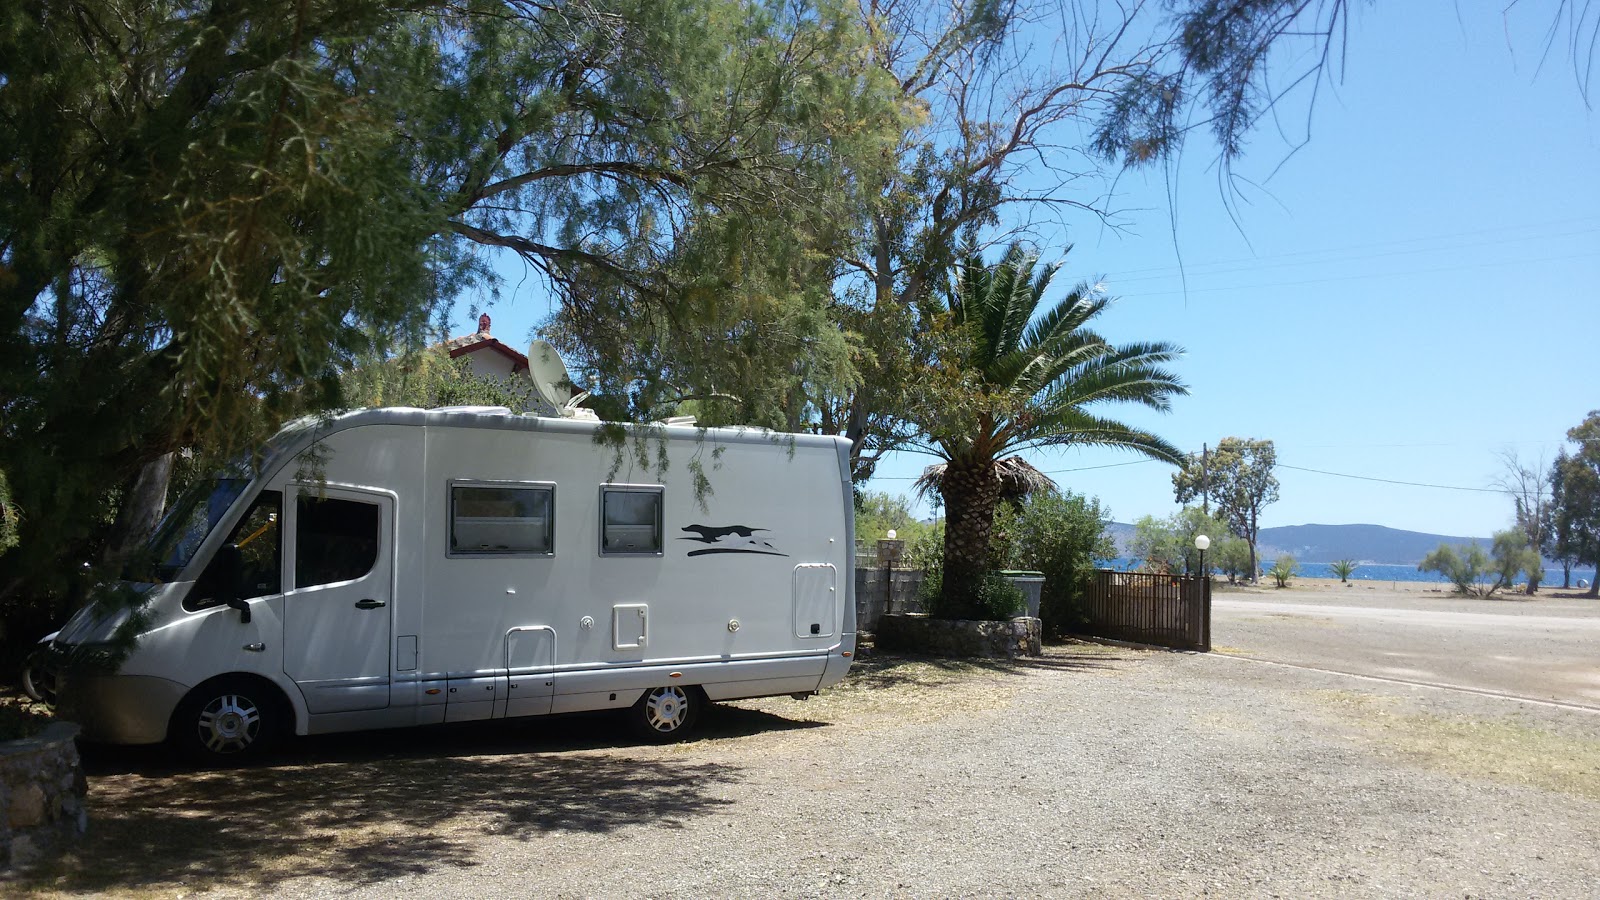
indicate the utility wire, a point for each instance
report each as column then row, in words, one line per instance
column 1446, row 487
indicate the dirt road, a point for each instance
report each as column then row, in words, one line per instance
column 1093, row 772
column 1546, row 649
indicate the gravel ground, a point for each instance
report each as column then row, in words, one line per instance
column 1093, row 772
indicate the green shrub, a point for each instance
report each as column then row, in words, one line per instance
column 1342, row 568
column 1061, row 535
column 1464, row 569
column 1000, row 599
column 997, row 598
column 1283, row 570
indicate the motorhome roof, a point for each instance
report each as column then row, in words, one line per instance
column 299, row 434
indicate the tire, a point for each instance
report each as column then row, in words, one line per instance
column 229, row 720
column 37, row 681
column 666, row 714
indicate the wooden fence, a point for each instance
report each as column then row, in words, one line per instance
column 1166, row 610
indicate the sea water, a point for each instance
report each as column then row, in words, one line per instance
column 1373, row 572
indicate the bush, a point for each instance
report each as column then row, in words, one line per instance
column 997, row 599
column 1464, row 569
column 1000, row 599
column 1283, row 570
column 1342, row 568
column 1061, row 535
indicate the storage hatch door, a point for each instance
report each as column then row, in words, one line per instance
column 816, row 599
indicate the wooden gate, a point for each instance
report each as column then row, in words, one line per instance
column 1166, row 610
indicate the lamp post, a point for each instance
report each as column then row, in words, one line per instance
column 890, row 549
column 1202, row 636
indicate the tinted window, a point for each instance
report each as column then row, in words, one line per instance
column 630, row 520
column 501, row 519
column 259, row 537
column 335, row 540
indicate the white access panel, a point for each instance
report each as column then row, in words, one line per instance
column 630, row 626
column 816, row 597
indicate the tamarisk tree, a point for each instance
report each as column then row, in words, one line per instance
column 1237, row 477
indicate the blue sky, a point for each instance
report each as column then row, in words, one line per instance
column 1414, row 291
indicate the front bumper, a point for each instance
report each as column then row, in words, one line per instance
column 121, row 709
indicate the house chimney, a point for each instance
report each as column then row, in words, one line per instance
column 483, row 324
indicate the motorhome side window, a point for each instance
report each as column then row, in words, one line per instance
column 260, row 541
column 501, row 519
column 335, row 540
column 630, row 520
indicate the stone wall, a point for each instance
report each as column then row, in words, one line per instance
column 41, row 795
column 958, row 637
column 876, row 595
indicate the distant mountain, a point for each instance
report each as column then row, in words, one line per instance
column 1363, row 543
column 1326, row 543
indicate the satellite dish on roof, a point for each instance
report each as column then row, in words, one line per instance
column 550, row 378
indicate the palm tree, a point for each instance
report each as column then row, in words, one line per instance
column 1007, row 381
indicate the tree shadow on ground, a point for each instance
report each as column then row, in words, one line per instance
column 888, row 669
column 363, row 808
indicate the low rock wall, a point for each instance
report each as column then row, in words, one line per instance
column 41, row 795
column 914, row 633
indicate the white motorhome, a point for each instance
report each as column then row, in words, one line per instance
column 398, row 567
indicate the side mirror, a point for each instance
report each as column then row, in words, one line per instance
column 229, row 566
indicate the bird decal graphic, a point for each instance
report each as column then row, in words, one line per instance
column 729, row 539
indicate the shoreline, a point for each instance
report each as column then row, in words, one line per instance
column 1361, row 586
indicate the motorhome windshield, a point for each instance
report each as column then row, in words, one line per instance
column 183, row 529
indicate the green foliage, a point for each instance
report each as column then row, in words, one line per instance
column 994, row 599
column 1167, row 545
column 1343, row 568
column 1283, row 569
column 1511, row 556
column 926, row 550
column 211, row 211
column 879, row 511
column 1230, row 556
column 1237, row 478
column 1013, row 378
column 1579, row 507
column 1061, row 535
column 428, row 379
column 1464, row 567
column 9, row 514
column 999, row 599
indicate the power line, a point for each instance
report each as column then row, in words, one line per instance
column 1445, row 487
column 1136, row 462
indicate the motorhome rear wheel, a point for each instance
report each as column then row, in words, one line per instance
column 666, row 714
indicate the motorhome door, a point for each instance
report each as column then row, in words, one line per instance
column 336, row 617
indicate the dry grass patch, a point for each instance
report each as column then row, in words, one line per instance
column 887, row 690
column 1498, row 749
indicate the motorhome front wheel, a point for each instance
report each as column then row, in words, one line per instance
column 228, row 719
column 667, row 713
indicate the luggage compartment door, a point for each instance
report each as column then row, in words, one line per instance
column 530, row 667
column 816, row 600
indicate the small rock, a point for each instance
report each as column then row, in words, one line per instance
column 27, row 806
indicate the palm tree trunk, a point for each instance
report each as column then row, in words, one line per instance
column 971, row 491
